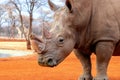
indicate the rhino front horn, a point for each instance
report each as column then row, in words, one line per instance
column 34, row 37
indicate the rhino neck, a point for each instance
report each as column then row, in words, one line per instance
column 82, row 38
column 83, row 35
column 82, row 10
column 84, row 18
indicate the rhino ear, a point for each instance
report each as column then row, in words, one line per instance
column 69, row 5
column 53, row 6
column 46, row 34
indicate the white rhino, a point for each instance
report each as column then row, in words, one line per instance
column 85, row 26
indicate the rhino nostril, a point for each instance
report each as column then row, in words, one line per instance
column 51, row 62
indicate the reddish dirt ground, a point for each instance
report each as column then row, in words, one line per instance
column 26, row 68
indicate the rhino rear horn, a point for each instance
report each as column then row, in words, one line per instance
column 46, row 34
column 53, row 6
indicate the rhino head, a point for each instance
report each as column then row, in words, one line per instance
column 57, row 43
column 54, row 46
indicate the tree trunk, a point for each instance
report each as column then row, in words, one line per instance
column 28, row 45
column 21, row 20
column 30, row 31
column 27, row 38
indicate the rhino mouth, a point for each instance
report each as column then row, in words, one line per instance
column 48, row 62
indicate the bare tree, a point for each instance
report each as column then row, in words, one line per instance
column 1, row 17
column 10, row 19
column 32, row 5
column 18, row 5
column 1, row 14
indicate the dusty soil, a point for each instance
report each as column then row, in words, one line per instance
column 26, row 67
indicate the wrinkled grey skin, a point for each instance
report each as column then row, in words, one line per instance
column 85, row 26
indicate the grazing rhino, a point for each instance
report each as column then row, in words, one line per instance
column 86, row 26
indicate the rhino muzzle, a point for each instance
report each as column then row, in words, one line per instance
column 49, row 62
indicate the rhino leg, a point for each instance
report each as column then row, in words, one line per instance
column 86, row 63
column 104, row 52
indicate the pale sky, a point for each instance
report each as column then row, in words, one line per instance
column 36, row 14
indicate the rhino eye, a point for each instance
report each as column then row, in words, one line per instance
column 60, row 41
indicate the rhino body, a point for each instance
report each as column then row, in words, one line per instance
column 85, row 26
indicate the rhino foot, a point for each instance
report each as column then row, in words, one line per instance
column 85, row 77
column 101, row 78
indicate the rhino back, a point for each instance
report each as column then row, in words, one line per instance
column 105, row 24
